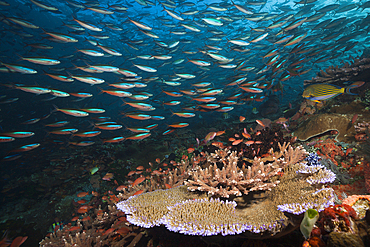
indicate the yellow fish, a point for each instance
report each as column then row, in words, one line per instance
column 317, row 92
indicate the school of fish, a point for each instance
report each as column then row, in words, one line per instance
column 109, row 71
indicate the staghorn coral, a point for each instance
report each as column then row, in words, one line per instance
column 103, row 228
column 231, row 180
column 257, row 214
column 259, row 143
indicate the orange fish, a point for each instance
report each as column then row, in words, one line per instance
column 232, row 139
column 138, row 181
column 140, row 168
column 82, row 194
column 158, row 160
column 168, row 186
column 260, row 123
column 248, row 136
column 18, row 241
column 131, row 173
column 138, row 192
column 156, row 172
column 74, row 228
column 121, row 187
column 123, row 231
column 221, row 132
column 241, row 119
column 75, row 218
column 84, row 209
column 86, row 218
column 249, row 142
column 83, row 201
column 190, row 150
column 218, row 144
column 110, row 230
column 108, row 176
column 236, row 142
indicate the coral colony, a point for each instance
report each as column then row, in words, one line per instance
column 231, row 200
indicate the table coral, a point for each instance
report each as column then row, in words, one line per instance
column 256, row 214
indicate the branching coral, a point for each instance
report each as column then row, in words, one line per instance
column 232, row 180
column 294, row 187
column 107, row 228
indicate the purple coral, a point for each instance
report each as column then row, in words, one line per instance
column 313, row 159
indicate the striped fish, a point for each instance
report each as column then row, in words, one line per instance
column 317, row 92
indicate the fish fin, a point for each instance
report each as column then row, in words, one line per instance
column 101, row 90
column 348, row 90
column 55, row 109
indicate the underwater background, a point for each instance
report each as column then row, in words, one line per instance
column 104, row 100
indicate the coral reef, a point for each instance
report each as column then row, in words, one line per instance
column 291, row 190
column 100, row 228
column 231, row 180
column 351, row 71
column 362, row 130
column 257, row 143
column 360, row 203
column 337, row 218
column 322, row 123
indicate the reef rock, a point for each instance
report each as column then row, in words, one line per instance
column 344, row 239
column 322, row 123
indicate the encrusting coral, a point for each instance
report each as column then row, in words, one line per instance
column 322, row 123
column 360, row 203
column 264, row 200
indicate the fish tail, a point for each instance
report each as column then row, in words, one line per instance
column 91, row 125
column 55, row 108
column 101, row 90
column 348, row 90
column 353, row 85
